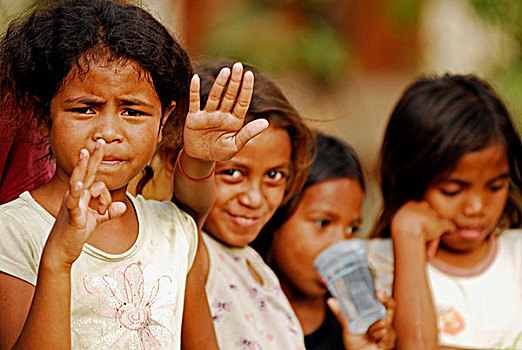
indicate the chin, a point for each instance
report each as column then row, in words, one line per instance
column 462, row 247
column 238, row 239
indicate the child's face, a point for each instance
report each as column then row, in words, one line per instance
column 250, row 187
column 329, row 212
column 473, row 196
column 112, row 102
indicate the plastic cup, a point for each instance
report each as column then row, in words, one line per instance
column 344, row 267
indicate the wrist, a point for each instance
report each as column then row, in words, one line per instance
column 195, row 169
column 53, row 264
column 409, row 237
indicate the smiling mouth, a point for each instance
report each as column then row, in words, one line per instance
column 243, row 220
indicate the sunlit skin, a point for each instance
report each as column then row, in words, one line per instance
column 250, row 187
column 114, row 103
column 472, row 197
column 111, row 102
column 328, row 213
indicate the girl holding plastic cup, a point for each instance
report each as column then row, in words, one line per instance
column 326, row 211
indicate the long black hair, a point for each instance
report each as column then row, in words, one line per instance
column 437, row 121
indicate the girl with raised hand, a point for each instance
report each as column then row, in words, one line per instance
column 326, row 211
column 451, row 181
column 83, row 263
column 248, row 307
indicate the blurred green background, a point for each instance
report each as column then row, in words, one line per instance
column 344, row 63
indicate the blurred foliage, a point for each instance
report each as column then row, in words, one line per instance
column 281, row 36
column 403, row 12
column 310, row 37
column 508, row 15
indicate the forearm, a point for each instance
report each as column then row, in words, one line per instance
column 198, row 327
column 415, row 319
column 48, row 323
column 196, row 197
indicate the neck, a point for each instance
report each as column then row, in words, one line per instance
column 467, row 263
column 310, row 310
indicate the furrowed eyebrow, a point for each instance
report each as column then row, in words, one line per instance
column 84, row 100
column 134, row 102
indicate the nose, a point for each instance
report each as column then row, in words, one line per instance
column 252, row 195
column 474, row 205
column 108, row 127
column 341, row 233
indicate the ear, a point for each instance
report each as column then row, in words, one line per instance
column 170, row 163
column 171, row 107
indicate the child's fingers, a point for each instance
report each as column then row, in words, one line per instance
column 389, row 303
column 245, row 96
column 437, row 228
column 377, row 331
column 79, row 171
column 73, row 196
column 249, row 131
column 214, row 96
column 76, row 184
column 431, row 248
column 233, row 87
column 383, row 334
column 194, row 94
column 101, row 194
column 116, row 209
column 336, row 310
column 94, row 162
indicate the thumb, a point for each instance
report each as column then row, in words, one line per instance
column 431, row 248
column 249, row 131
column 116, row 209
column 334, row 305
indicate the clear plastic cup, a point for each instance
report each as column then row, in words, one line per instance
column 344, row 267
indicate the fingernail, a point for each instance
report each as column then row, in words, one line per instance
column 81, row 154
column 77, row 186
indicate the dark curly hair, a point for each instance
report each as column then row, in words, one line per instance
column 437, row 120
column 39, row 50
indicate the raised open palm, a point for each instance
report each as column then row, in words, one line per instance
column 217, row 132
